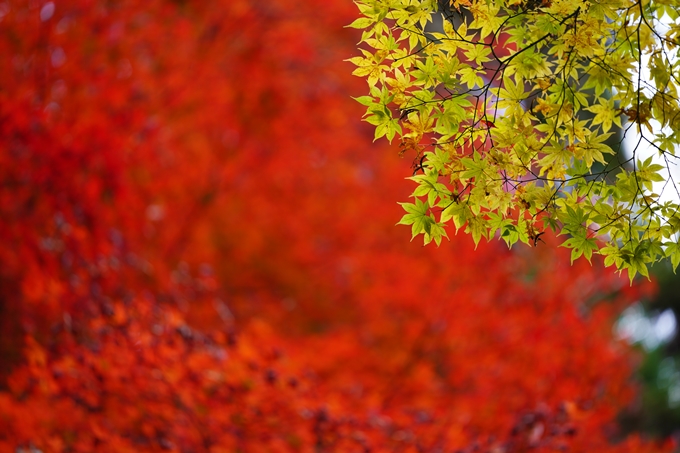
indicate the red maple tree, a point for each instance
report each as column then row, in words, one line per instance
column 199, row 254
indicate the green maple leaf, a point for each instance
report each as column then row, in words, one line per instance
column 417, row 216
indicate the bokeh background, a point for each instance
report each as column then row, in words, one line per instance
column 199, row 253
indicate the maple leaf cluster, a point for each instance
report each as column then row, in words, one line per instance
column 199, row 254
column 518, row 113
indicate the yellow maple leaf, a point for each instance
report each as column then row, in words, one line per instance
column 458, row 3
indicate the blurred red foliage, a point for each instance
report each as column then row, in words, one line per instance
column 199, row 254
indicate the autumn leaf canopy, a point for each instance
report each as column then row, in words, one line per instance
column 199, row 253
